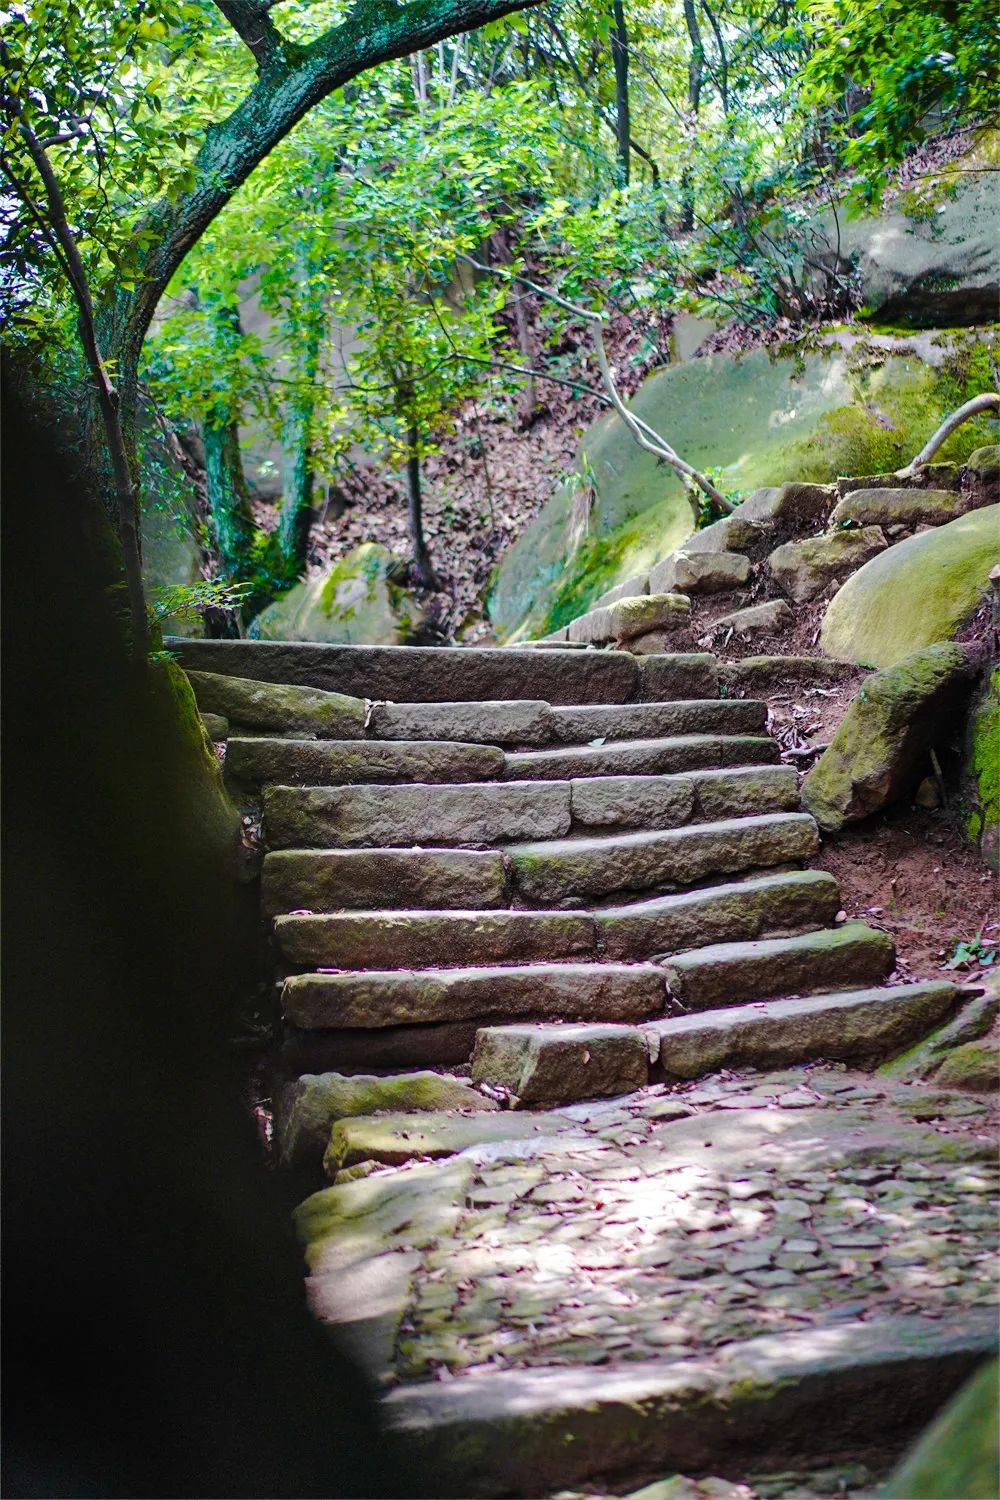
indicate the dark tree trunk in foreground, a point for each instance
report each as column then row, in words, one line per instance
column 415, row 511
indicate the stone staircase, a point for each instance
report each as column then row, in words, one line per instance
column 611, row 1244
column 478, row 865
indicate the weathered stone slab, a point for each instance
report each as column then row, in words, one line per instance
column 804, row 569
column 865, row 1023
column 973, row 1021
column 659, row 720
column 476, row 813
column 697, row 572
column 448, row 1044
column 276, row 705
column 758, row 619
column 359, row 879
column 560, row 1064
column 394, row 1139
column 727, row 973
column 737, row 911
column 308, row 1108
column 519, row 722
column 574, row 991
column 730, row 793
column 631, row 801
column 551, row 1428
column 414, row 939
column 677, row 674
column 690, row 752
column 680, row 856
column 788, row 507
column 900, row 507
column 429, row 674
column 335, row 762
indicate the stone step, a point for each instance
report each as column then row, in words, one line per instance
column 767, row 1400
column 580, row 724
column 863, row 1023
column 390, row 879
column 738, row 910
column 435, row 939
column 730, row 973
column 482, row 813
column 546, row 1065
column 734, row 912
column 560, row 868
column 650, row 757
column 485, row 813
column 519, row 721
column 570, row 991
column 350, row 762
column 428, row 674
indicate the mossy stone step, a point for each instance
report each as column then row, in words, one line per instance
column 415, row 939
column 727, row 973
column 287, row 762
column 863, row 1023
column 279, row 706
column 658, row 720
column 765, row 904
column 480, row 814
column 552, row 871
column 542, row 991
column 650, row 757
column 732, row 912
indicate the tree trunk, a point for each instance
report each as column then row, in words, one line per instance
column 529, row 394
column 696, row 73
column 228, row 497
column 421, row 556
column 619, row 52
column 296, row 515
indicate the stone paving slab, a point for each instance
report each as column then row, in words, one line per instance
column 520, row 1432
column 685, row 752
column 659, row 720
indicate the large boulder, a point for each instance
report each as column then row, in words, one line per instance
column 917, row 592
column 753, row 420
column 881, row 745
column 931, row 257
column 803, row 570
column 357, row 603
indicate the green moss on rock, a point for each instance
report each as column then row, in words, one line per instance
column 974, row 1066
column 881, row 743
column 918, row 592
column 357, row 602
column 956, row 1458
column 982, row 771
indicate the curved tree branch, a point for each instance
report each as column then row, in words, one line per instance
column 989, row 401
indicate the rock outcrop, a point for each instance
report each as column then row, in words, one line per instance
column 883, row 740
column 358, row 602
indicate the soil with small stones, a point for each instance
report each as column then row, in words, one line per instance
column 911, row 873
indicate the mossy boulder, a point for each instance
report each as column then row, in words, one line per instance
column 973, row 1021
column 956, row 1458
column 984, row 464
column 982, row 771
column 358, row 602
column 753, row 421
column 920, row 591
column 309, row 1108
column 880, row 747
